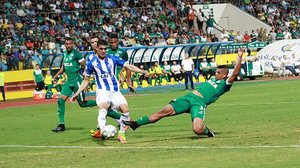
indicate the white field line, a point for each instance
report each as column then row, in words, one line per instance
column 217, row 105
column 153, row 147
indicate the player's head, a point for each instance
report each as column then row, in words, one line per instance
column 48, row 72
column 69, row 44
column 37, row 66
column 186, row 55
column 94, row 39
column 221, row 72
column 101, row 48
column 113, row 41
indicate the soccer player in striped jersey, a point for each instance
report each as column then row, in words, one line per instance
column 110, row 113
column 108, row 93
column 196, row 101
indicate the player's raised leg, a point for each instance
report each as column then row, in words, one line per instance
column 165, row 112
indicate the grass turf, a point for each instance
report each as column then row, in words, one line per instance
column 256, row 125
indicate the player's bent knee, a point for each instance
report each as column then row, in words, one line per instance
column 198, row 131
column 124, row 108
column 60, row 101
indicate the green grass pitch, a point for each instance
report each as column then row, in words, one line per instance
column 257, row 124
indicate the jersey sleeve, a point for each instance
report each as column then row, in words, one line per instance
column 89, row 69
column 228, row 84
column 79, row 57
column 125, row 56
column 118, row 61
column 89, row 57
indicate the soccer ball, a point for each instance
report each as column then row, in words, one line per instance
column 109, row 131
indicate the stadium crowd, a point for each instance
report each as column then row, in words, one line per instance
column 31, row 30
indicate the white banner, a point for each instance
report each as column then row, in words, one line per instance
column 277, row 50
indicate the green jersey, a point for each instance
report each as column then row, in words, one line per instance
column 118, row 53
column 212, row 89
column 38, row 75
column 72, row 65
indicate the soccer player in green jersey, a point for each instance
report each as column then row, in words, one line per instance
column 72, row 63
column 196, row 101
column 114, row 50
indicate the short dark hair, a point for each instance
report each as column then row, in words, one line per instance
column 113, row 35
column 94, row 35
column 222, row 67
column 68, row 39
column 101, row 42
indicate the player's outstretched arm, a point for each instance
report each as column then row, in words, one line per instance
column 135, row 69
column 83, row 85
column 237, row 68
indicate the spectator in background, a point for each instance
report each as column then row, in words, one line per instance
column 278, row 66
column 232, row 36
column 224, row 36
column 213, row 67
column 204, row 68
column 210, row 23
column 279, row 35
column 287, row 34
column 246, row 37
column 200, row 20
column 167, row 70
column 273, row 34
column 38, row 78
column 188, row 68
column 2, row 79
column 239, row 37
column 253, row 36
column 3, row 62
column 176, row 72
column 214, row 38
column 288, row 64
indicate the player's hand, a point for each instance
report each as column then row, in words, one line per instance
column 73, row 98
column 240, row 53
column 146, row 73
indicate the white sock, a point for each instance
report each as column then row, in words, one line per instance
column 125, row 117
column 102, row 119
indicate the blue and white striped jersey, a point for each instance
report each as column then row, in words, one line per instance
column 104, row 71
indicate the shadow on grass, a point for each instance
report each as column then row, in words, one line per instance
column 75, row 128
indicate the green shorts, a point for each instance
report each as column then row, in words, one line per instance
column 71, row 87
column 190, row 103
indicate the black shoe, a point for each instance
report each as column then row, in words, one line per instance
column 59, row 128
column 133, row 125
column 131, row 90
column 210, row 133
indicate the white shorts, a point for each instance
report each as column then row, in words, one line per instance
column 210, row 30
column 114, row 99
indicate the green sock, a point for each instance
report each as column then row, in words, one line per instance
column 88, row 103
column 206, row 131
column 143, row 121
column 61, row 110
column 113, row 114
